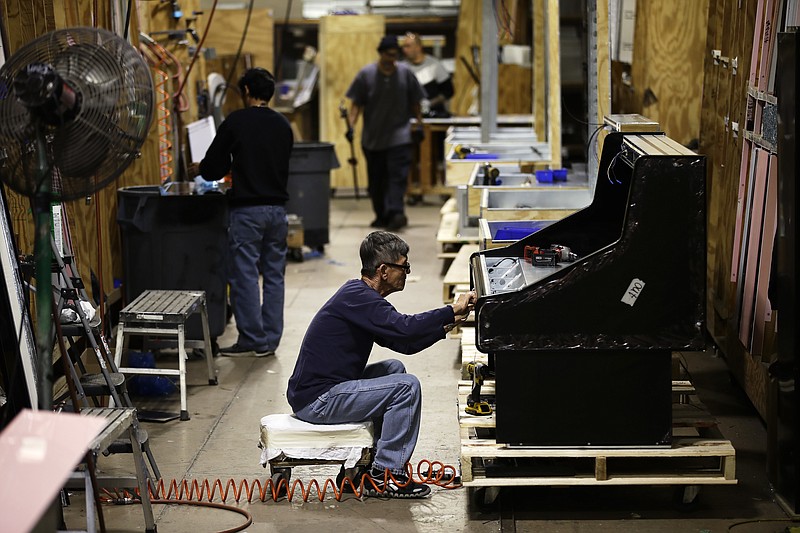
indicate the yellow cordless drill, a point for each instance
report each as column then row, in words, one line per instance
column 475, row 406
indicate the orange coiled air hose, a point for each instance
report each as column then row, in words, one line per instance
column 430, row 472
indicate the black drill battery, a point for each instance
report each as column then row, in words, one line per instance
column 538, row 256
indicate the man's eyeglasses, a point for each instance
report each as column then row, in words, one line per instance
column 406, row 266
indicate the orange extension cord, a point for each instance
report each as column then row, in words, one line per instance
column 164, row 127
column 164, row 57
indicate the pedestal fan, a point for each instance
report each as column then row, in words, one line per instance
column 75, row 107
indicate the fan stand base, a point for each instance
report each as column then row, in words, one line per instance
column 157, row 416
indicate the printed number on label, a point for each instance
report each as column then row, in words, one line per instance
column 632, row 293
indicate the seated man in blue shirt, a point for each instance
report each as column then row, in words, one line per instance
column 332, row 382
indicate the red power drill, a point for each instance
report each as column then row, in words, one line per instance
column 540, row 256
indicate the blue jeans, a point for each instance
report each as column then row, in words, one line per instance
column 257, row 245
column 387, row 173
column 385, row 394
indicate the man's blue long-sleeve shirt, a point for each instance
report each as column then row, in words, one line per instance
column 339, row 340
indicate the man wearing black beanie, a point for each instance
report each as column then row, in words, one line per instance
column 388, row 95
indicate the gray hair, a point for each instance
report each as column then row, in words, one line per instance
column 380, row 247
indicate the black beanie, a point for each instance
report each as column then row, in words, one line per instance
column 388, row 42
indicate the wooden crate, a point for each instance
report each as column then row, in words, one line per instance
column 458, row 273
column 457, row 171
column 295, row 237
column 448, row 237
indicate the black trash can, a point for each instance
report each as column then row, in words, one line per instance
column 310, row 189
column 176, row 242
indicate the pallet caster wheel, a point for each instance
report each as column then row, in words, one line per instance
column 685, row 497
column 214, row 381
column 484, row 499
column 414, row 199
column 280, row 481
column 184, row 415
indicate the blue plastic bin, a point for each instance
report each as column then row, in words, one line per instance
column 544, row 176
column 481, row 156
column 515, row 233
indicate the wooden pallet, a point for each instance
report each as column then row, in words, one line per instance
column 691, row 460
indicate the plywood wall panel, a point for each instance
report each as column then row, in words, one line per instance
column 667, row 67
column 730, row 30
column 515, row 92
column 346, row 44
column 725, row 106
column 725, row 198
column 25, row 20
column 225, row 34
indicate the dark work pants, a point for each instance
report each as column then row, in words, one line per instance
column 387, row 173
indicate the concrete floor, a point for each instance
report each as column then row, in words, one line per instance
column 219, row 442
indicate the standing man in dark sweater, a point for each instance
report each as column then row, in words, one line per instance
column 332, row 382
column 255, row 144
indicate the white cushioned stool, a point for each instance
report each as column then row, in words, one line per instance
column 287, row 441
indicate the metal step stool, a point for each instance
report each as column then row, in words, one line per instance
column 163, row 313
column 120, row 422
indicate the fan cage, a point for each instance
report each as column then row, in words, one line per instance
column 92, row 149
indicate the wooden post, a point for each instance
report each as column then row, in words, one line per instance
column 553, row 83
column 601, row 468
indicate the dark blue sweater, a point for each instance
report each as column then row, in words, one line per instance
column 339, row 339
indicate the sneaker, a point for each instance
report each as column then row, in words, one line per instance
column 397, row 221
column 240, row 351
column 355, row 480
column 394, row 486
